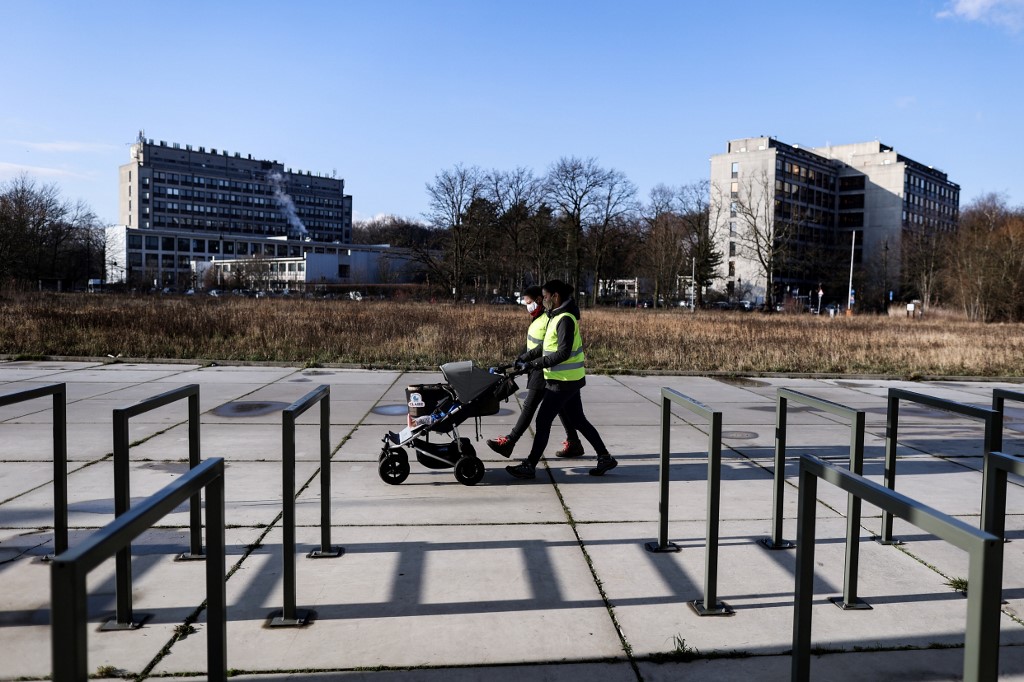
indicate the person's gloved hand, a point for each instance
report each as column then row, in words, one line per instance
column 521, row 367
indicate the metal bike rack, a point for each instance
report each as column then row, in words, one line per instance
column 993, row 515
column 710, row 605
column 849, row 600
column 993, row 438
column 122, row 492
column 68, row 590
column 60, row 455
column 1001, row 395
column 981, row 650
column 290, row 617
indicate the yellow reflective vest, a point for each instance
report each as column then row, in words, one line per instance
column 535, row 334
column 571, row 369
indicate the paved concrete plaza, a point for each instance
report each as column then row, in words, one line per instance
column 506, row 580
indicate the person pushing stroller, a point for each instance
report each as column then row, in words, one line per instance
column 503, row 445
column 561, row 358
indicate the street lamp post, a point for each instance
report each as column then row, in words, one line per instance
column 849, row 293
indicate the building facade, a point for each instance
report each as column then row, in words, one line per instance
column 183, row 208
column 788, row 216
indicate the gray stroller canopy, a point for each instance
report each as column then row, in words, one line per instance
column 468, row 382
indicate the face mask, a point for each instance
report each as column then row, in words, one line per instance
column 530, row 307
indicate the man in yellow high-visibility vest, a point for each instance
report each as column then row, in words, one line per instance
column 561, row 356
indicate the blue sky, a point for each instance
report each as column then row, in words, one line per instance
column 388, row 93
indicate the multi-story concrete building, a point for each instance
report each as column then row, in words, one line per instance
column 786, row 213
column 182, row 208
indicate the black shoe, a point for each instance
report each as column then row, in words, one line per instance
column 604, row 464
column 570, row 448
column 522, row 470
column 503, row 445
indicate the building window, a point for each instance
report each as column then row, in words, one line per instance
column 343, row 270
column 732, row 209
column 732, row 268
column 735, row 169
column 732, row 249
column 183, row 245
column 732, row 227
column 214, row 246
column 152, row 243
column 734, row 188
column 135, row 241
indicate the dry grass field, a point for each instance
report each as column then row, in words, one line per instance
column 422, row 335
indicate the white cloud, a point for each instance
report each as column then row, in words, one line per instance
column 1006, row 13
column 63, row 147
column 12, row 170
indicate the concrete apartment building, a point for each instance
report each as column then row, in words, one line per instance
column 183, row 209
column 813, row 199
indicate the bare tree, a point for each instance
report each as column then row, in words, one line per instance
column 702, row 216
column 516, row 196
column 614, row 204
column 574, row 187
column 452, row 195
column 762, row 235
column 984, row 269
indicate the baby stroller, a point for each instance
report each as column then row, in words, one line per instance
column 441, row 408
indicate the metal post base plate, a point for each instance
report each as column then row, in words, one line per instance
column 187, row 556
column 859, row 605
column 113, row 626
column 320, row 554
column 302, row 618
column 893, row 541
column 658, row 549
column 721, row 609
column 768, row 543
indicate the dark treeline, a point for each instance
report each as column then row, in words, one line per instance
column 45, row 240
column 979, row 268
column 499, row 231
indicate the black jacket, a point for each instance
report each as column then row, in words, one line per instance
column 566, row 336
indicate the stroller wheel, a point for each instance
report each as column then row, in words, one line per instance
column 469, row 470
column 393, row 469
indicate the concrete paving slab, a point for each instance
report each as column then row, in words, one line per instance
column 16, row 478
column 929, row 664
column 428, row 496
column 85, row 442
column 252, row 492
column 557, row 672
column 238, row 374
column 11, row 373
column 631, row 492
column 164, row 592
column 239, row 442
column 649, row 592
column 457, row 596
column 953, row 562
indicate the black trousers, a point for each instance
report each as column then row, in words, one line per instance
column 568, row 405
column 530, row 405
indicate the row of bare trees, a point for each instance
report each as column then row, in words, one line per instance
column 980, row 267
column 501, row 230
column 46, row 239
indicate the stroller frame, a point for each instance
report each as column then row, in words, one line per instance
column 470, row 392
